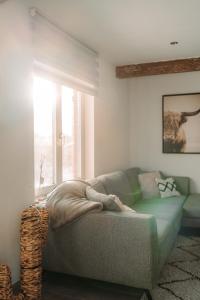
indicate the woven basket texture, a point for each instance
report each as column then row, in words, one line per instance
column 33, row 234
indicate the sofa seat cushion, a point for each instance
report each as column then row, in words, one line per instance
column 117, row 183
column 165, row 208
column 191, row 207
column 166, row 211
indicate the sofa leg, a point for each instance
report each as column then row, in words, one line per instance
column 148, row 294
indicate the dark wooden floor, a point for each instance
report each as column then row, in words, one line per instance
column 65, row 287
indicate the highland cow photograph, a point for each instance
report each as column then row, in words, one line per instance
column 181, row 123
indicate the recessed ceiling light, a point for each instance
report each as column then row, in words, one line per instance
column 173, row 43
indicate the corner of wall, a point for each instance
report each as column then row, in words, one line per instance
column 111, row 122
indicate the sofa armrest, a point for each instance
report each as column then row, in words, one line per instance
column 114, row 247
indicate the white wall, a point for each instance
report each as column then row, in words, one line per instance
column 16, row 128
column 111, row 122
column 146, row 124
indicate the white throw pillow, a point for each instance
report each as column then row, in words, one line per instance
column 167, row 187
column 148, row 184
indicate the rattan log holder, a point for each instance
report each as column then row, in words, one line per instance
column 33, row 234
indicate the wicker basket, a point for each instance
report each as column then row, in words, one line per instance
column 33, row 234
column 6, row 292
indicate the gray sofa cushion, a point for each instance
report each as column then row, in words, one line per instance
column 108, row 201
column 117, row 183
column 183, row 184
column 166, row 208
column 97, row 185
column 132, row 175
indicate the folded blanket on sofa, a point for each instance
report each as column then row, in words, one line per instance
column 67, row 203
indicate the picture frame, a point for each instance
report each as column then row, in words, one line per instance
column 181, row 123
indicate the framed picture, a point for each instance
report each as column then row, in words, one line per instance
column 181, row 123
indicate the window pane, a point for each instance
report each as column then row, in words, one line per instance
column 70, row 131
column 44, row 92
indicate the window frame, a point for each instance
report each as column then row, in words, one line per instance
column 57, row 136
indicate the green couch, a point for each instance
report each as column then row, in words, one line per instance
column 125, row 248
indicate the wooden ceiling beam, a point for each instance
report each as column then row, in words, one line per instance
column 158, row 68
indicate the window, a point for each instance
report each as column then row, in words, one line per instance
column 59, row 133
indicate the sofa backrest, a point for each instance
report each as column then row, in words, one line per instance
column 118, row 184
column 126, row 186
column 97, row 185
column 132, row 175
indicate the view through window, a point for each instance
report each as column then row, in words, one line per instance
column 58, row 133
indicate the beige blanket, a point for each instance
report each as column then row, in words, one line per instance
column 67, row 203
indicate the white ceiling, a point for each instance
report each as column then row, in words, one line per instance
column 130, row 31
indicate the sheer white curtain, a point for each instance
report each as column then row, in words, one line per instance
column 59, row 54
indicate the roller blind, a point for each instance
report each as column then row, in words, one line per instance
column 56, row 52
